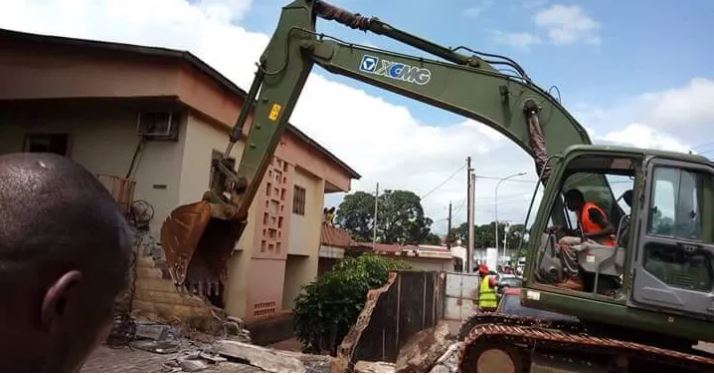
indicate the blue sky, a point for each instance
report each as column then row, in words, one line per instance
column 644, row 45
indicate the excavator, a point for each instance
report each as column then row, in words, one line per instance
column 647, row 294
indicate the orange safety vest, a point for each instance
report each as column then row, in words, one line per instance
column 588, row 226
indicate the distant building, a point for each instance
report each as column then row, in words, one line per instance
column 334, row 242
column 420, row 257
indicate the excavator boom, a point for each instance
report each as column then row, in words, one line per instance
column 493, row 90
column 469, row 85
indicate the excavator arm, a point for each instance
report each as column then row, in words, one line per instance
column 491, row 89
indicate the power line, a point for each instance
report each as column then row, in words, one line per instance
column 510, row 179
column 443, row 182
column 703, row 145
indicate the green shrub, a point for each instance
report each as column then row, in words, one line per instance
column 326, row 308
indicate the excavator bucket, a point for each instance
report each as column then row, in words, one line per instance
column 197, row 245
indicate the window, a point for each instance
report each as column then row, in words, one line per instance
column 54, row 143
column 677, row 202
column 299, row 200
column 680, row 198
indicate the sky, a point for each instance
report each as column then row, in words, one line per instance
column 633, row 73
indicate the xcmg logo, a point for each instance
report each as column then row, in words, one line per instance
column 395, row 70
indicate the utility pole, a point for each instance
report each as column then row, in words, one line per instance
column 470, row 177
column 448, row 229
column 376, row 203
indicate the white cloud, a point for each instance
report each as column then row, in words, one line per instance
column 225, row 9
column 476, row 10
column 674, row 119
column 568, row 25
column 644, row 136
column 687, row 110
column 383, row 141
column 522, row 41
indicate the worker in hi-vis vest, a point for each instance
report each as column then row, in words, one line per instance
column 487, row 290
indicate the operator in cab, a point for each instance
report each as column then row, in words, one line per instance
column 592, row 220
column 487, row 290
column 593, row 227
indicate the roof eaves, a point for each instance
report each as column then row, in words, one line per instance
column 168, row 52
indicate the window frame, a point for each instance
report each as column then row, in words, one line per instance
column 299, row 200
column 29, row 137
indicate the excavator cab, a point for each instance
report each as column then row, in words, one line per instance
column 658, row 260
column 568, row 257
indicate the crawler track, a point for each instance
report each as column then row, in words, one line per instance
column 569, row 339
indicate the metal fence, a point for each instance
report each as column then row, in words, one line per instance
column 460, row 295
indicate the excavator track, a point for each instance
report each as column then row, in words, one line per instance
column 525, row 335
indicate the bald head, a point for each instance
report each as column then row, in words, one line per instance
column 63, row 258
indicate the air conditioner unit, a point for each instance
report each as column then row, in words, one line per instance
column 161, row 126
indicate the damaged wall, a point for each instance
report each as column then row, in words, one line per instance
column 156, row 298
column 410, row 302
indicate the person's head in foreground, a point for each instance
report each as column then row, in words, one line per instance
column 64, row 251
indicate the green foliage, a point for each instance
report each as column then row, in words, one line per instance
column 327, row 308
column 484, row 235
column 356, row 214
column 400, row 217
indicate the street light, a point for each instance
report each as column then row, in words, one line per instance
column 495, row 211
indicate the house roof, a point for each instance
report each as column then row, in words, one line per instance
column 186, row 56
column 336, row 237
column 423, row 251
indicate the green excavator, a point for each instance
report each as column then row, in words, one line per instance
column 646, row 294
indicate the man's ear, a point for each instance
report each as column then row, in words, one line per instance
column 55, row 299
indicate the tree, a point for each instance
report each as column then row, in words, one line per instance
column 432, row 239
column 327, row 308
column 356, row 214
column 400, row 217
column 484, row 235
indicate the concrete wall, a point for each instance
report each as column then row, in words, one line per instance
column 156, row 298
column 410, row 302
column 429, row 264
column 296, row 267
column 304, row 238
column 103, row 138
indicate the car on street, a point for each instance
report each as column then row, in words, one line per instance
column 506, row 281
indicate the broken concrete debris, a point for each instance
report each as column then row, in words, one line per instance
column 266, row 359
column 193, row 365
column 423, row 349
column 449, row 361
column 374, row 367
column 160, row 347
column 153, row 331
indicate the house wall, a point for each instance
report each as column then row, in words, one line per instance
column 304, row 241
column 103, row 139
column 95, row 94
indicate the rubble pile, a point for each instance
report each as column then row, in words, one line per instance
column 189, row 350
column 423, row 349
